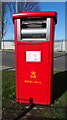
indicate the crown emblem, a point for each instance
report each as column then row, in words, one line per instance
column 33, row 73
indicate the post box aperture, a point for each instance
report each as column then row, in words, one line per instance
column 33, row 30
column 34, row 34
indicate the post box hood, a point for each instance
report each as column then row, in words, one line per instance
column 47, row 14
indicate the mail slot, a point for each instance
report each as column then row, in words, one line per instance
column 34, row 35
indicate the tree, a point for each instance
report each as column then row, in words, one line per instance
column 13, row 7
column 3, row 19
column 23, row 6
column 4, row 22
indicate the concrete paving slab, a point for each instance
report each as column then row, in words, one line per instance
column 6, row 68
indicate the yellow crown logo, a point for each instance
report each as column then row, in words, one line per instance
column 33, row 73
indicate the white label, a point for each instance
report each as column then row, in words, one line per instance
column 33, row 56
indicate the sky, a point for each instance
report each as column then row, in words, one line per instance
column 59, row 7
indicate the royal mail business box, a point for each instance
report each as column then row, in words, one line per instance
column 34, row 34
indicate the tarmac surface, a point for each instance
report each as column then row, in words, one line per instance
column 9, row 63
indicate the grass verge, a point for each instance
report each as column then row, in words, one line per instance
column 55, row 110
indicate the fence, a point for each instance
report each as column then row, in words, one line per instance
column 58, row 45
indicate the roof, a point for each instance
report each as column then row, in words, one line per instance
column 35, row 14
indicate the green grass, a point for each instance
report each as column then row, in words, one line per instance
column 55, row 110
column 8, row 85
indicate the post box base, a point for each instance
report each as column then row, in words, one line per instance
column 28, row 102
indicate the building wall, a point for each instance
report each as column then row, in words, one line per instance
column 58, row 46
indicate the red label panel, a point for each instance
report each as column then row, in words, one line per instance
column 33, row 75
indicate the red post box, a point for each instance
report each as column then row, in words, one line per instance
column 34, row 34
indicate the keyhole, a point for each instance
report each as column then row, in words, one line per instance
column 35, row 56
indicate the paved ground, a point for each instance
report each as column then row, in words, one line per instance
column 60, row 61
column 8, row 60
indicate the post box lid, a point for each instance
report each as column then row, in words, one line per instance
column 52, row 14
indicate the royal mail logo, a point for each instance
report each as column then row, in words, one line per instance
column 33, row 74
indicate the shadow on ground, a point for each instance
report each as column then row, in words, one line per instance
column 58, row 89
column 60, row 55
column 59, row 85
column 41, row 118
